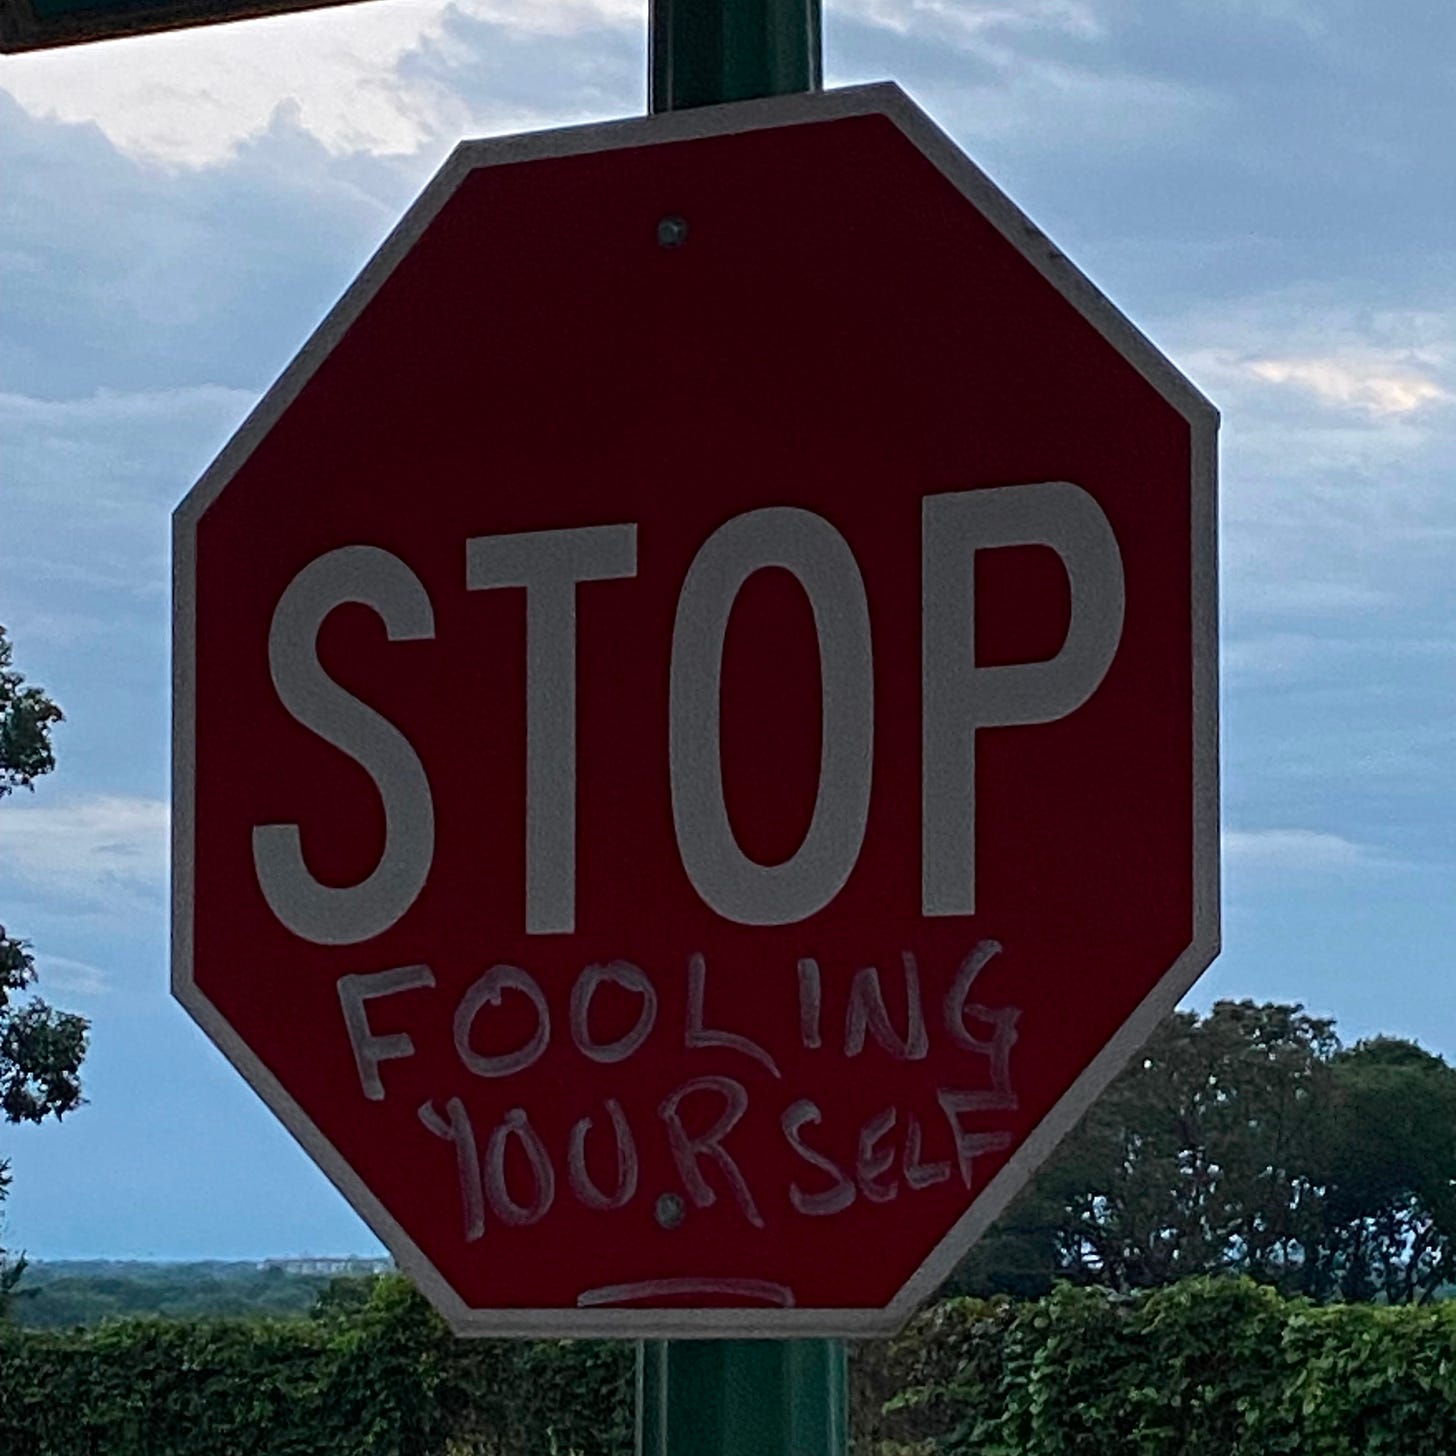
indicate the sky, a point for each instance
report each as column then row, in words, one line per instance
column 1266, row 187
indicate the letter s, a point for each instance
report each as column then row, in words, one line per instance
column 327, row 914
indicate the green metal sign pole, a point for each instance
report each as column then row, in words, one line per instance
column 738, row 1397
column 742, row 1398
column 701, row 52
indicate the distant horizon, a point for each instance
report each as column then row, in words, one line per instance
column 34, row 1260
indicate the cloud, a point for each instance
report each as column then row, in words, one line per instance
column 75, row 978
column 108, row 412
column 1375, row 382
column 976, row 20
column 394, row 77
column 1321, row 341
column 192, row 98
column 1282, row 657
column 1262, row 660
column 1337, row 437
column 1004, row 79
column 1292, row 849
column 108, row 407
column 100, row 854
column 115, row 275
column 188, row 98
column 112, row 465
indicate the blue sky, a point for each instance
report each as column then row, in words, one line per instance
column 1265, row 186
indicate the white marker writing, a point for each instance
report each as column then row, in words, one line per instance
column 810, row 996
column 867, row 1012
column 488, row 991
column 917, row 1174
column 997, row 1047
column 580, row 1179
column 969, row 1145
column 467, row 1160
column 830, row 1200
column 515, row 1124
column 688, row 1150
column 874, row 1161
column 369, row 1049
column 630, row 978
column 700, row 1036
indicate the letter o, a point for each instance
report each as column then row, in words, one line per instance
column 517, row 1124
column 819, row 558
column 488, row 991
column 629, row 978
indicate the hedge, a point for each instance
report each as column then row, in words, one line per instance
column 383, row 1379
column 1203, row 1368
column 1207, row 1367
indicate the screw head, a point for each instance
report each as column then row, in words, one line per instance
column 670, row 1211
column 672, row 232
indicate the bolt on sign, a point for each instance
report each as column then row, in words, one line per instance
column 695, row 721
column 29, row 25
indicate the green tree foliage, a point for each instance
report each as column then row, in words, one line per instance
column 66, row 1294
column 1247, row 1140
column 377, row 1377
column 26, row 718
column 1389, row 1174
column 41, row 1049
column 1206, row 1367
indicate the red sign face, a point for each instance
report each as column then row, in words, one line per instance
column 695, row 722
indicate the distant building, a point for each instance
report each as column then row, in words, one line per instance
column 308, row 1265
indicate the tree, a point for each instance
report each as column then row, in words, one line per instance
column 1196, row 1159
column 1247, row 1140
column 41, row 1049
column 1390, row 1175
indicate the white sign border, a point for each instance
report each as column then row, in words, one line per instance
column 884, row 99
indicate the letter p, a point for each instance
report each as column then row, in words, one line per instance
column 959, row 698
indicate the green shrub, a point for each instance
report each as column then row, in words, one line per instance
column 379, row 1378
column 1207, row 1367
column 163, row 1388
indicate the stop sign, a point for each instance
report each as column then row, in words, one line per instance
column 695, row 721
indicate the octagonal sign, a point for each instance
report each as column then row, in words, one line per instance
column 695, row 740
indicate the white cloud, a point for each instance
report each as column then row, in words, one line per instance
column 112, row 464
column 103, row 446
column 1382, row 366
column 105, row 853
column 970, row 19
column 107, row 407
column 1338, row 430
column 394, row 77
column 1376, row 383
column 1113, row 107
column 1008, row 77
column 190, row 98
column 76, row 978
column 1291, row 849
column 1283, row 656
column 36, row 624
